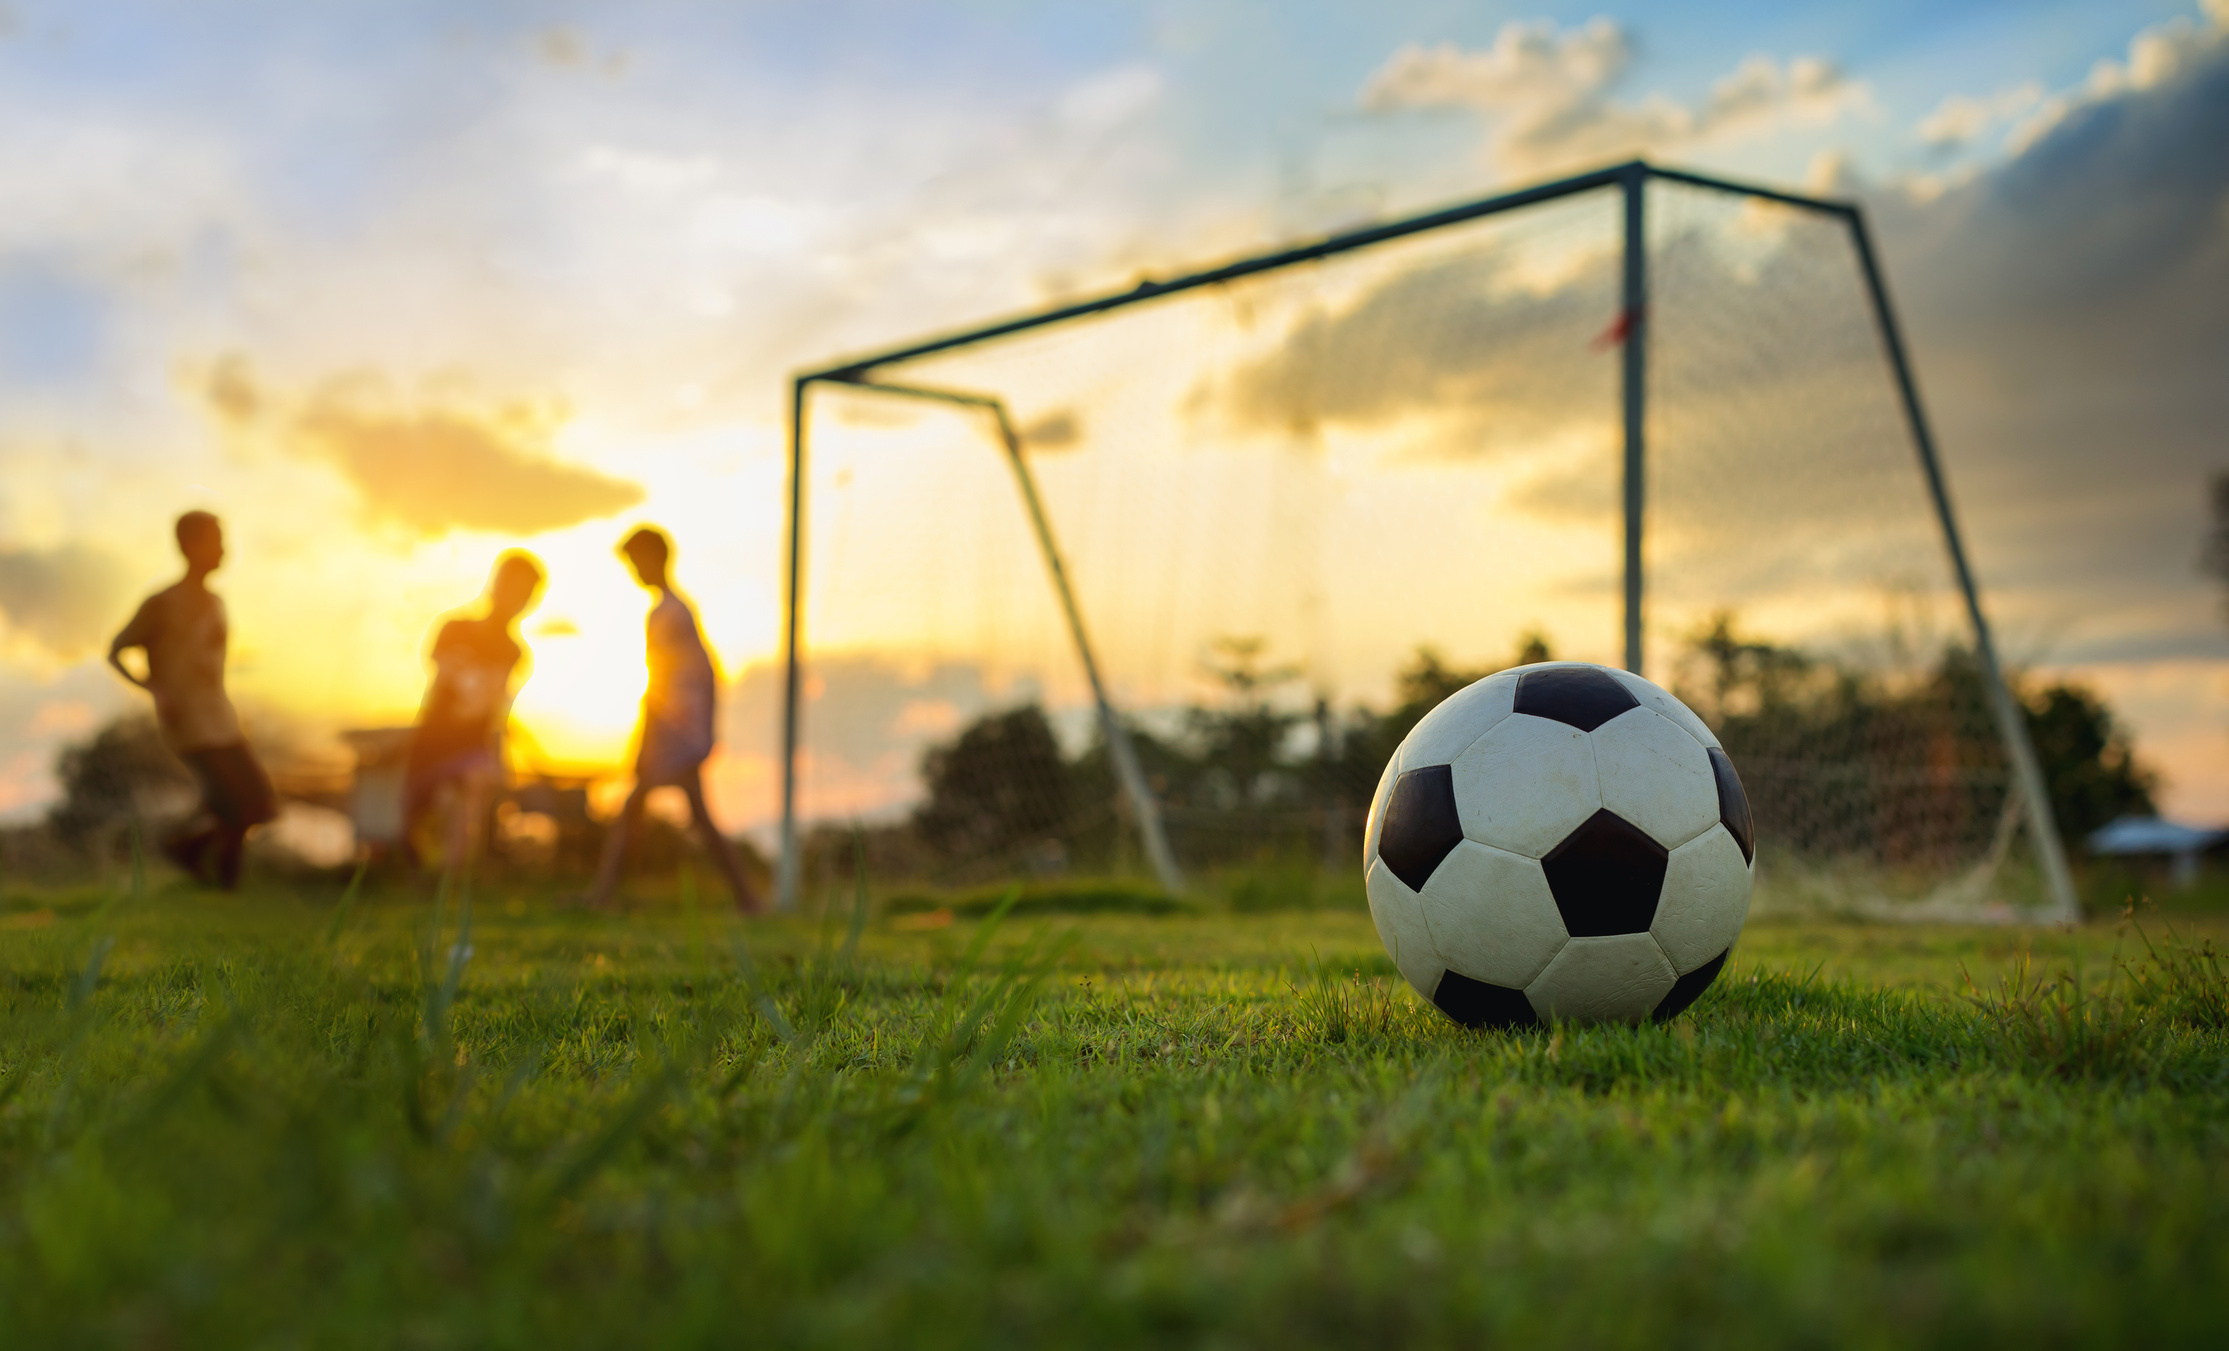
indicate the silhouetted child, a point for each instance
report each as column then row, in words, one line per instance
column 458, row 746
column 182, row 631
column 676, row 733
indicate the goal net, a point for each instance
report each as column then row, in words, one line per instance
column 1292, row 507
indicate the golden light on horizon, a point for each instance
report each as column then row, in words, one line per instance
column 332, row 611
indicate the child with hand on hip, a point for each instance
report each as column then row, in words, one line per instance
column 183, row 631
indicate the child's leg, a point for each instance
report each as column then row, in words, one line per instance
column 225, row 853
column 417, row 795
column 723, row 850
column 467, row 805
column 189, row 846
column 615, row 847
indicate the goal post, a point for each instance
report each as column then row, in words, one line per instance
column 2050, row 850
column 1144, row 807
column 1233, row 467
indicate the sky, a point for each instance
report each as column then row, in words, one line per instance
column 395, row 286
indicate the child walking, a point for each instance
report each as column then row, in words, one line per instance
column 676, row 730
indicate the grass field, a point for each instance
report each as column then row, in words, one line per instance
column 280, row 1121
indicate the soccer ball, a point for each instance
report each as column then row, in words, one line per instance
column 1561, row 841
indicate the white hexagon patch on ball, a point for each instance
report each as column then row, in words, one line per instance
column 1561, row 841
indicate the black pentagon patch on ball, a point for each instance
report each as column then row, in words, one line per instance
column 1582, row 696
column 1689, row 988
column 1733, row 805
column 1474, row 1003
column 1606, row 876
column 1421, row 825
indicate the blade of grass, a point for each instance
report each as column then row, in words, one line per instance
column 189, row 1072
column 81, row 988
column 761, row 999
column 1021, row 1000
column 347, row 903
column 440, row 998
column 80, row 1011
column 139, row 862
column 598, row 1151
column 988, row 927
column 858, row 925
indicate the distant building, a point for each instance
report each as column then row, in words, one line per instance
column 375, row 794
column 2151, row 839
column 539, row 812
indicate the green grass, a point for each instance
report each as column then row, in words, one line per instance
column 269, row 1121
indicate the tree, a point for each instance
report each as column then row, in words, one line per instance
column 1747, row 676
column 1795, row 723
column 1001, row 783
column 120, row 774
column 1242, row 739
column 2089, row 766
column 1427, row 681
column 1362, row 743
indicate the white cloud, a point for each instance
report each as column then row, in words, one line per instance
column 2155, row 56
column 649, row 171
column 1531, row 69
column 754, row 224
column 111, row 184
column 1961, row 119
column 1109, row 99
column 1547, row 92
column 1762, row 94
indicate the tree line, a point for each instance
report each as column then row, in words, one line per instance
column 1841, row 759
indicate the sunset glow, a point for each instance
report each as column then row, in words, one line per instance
column 385, row 350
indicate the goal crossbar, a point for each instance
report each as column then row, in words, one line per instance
column 1618, row 175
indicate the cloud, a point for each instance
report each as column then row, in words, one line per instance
column 1961, row 118
column 1547, row 91
column 429, row 466
column 2066, row 307
column 648, row 171
column 433, row 470
column 1532, row 68
column 1462, row 336
column 1109, row 99
column 2155, row 57
column 64, row 600
column 1772, row 413
column 565, row 49
column 2102, row 239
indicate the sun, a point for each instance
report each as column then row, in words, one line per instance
column 577, row 705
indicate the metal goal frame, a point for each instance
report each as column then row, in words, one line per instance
column 1632, row 181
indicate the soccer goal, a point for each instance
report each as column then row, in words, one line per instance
column 1148, row 585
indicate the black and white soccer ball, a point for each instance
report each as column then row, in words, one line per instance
column 1561, row 841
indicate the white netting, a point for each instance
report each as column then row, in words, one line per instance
column 1272, row 494
column 1785, row 495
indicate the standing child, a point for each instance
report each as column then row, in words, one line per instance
column 676, row 732
column 458, row 747
column 183, row 632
